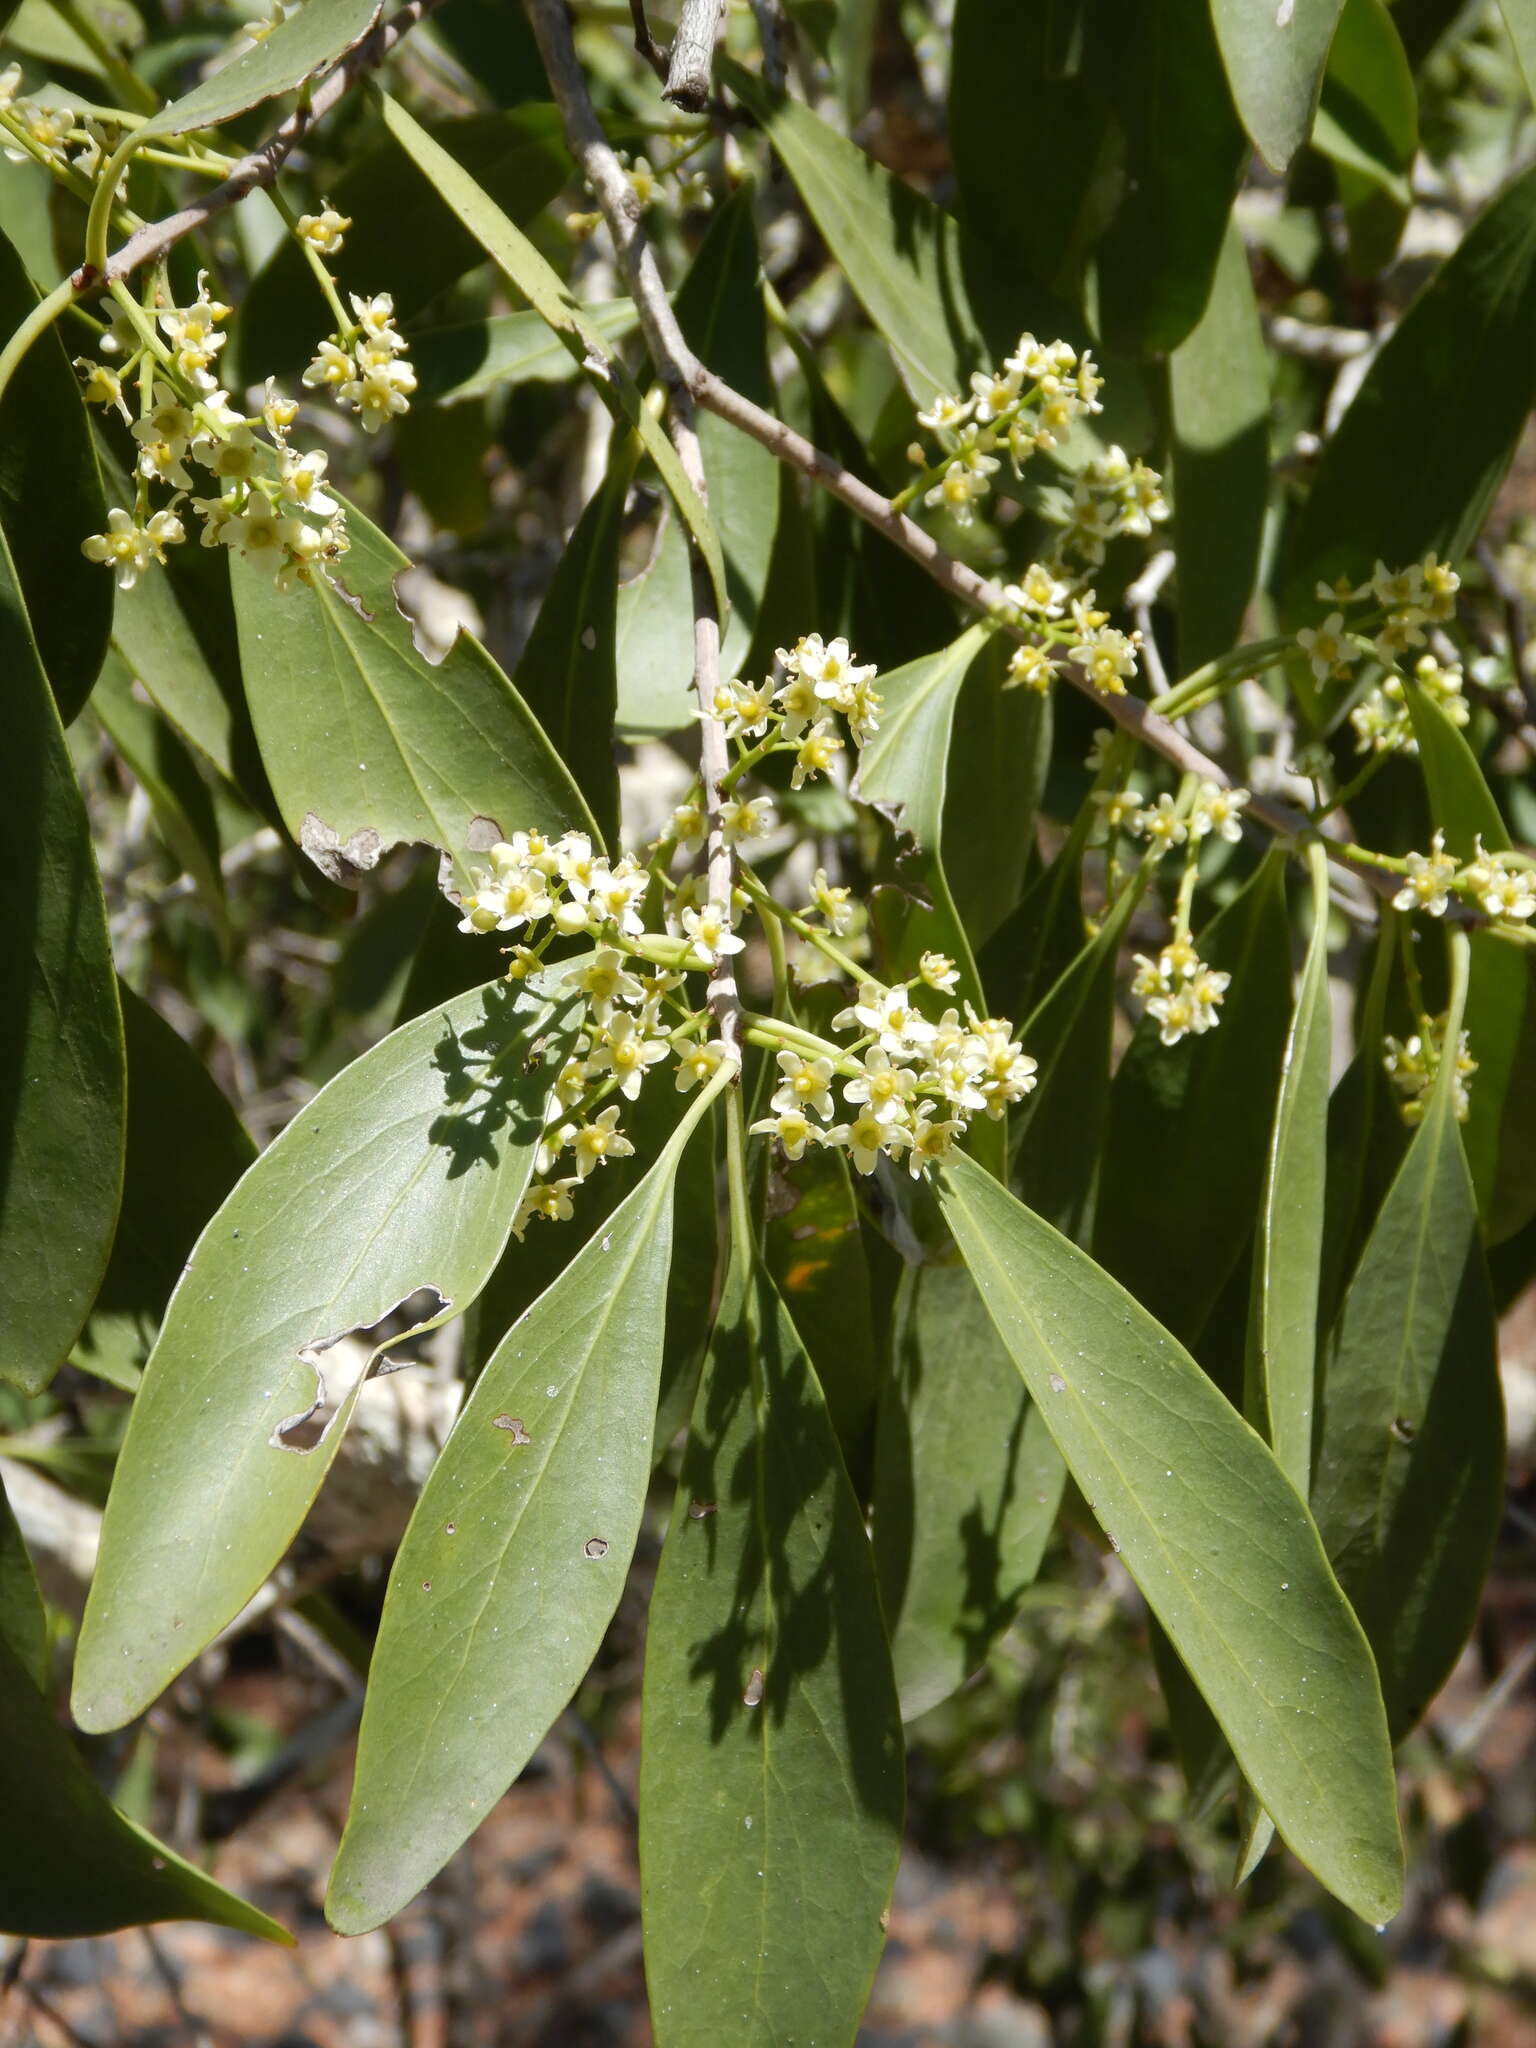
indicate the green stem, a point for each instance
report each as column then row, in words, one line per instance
column 799, row 925
column 98, row 221
column 1352, row 788
column 346, row 326
column 777, row 1036
column 736, row 1175
column 37, row 322
column 1220, row 674
column 773, row 933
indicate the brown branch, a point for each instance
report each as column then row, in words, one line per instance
column 677, row 366
column 646, row 45
column 261, row 167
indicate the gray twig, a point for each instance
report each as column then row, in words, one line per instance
column 690, row 71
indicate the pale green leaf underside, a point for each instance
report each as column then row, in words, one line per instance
column 296, row 50
column 403, row 1174
column 1213, row 1533
column 1275, row 52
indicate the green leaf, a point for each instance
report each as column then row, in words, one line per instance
column 1410, row 1452
column 814, row 1251
column 86, row 1869
column 367, row 740
column 1218, row 403
column 999, row 753
column 967, row 1484
column 1368, row 124
column 1500, row 1132
column 51, row 500
column 504, row 350
column 23, row 1618
column 61, row 1041
column 1275, row 56
column 158, row 761
column 1520, row 20
column 400, row 1179
column 405, row 237
column 186, row 1149
column 568, row 671
column 1212, row 1532
column 720, row 310
column 547, row 293
column 1206, row 1104
column 771, row 1774
column 1395, row 481
column 299, row 47
column 1288, row 1245
column 514, row 1561
column 1184, row 154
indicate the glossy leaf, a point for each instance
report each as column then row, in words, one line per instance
column 186, row 1149
column 720, row 310
column 547, row 293
column 1410, row 1453
column 514, row 1561
column 1207, row 1102
column 366, row 741
column 1275, row 56
column 400, row 1178
column 178, row 797
column 61, row 1043
column 1394, row 481
column 771, row 1778
column 568, row 670
column 1183, row 154
column 1288, row 1245
column 999, row 754
column 1520, row 20
column 51, row 500
column 1211, row 1530
column 504, row 350
column 405, row 235
column 1500, row 1132
column 23, row 1619
column 1218, row 402
column 86, row 1870
column 1368, row 124
column 967, row 1484
column 293, row 52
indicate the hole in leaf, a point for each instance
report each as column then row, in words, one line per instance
column 351, row 1356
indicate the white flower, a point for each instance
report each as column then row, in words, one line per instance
column 832, row 903
column 831, row 670
column 616, row 893
column 125, row 547
column 1429, row 880
column 304, row 479
column 1177, row 1013
column 866, row 1138
column 1160, row 824
column 889, row 1015
column 946, row 413
column 709, row 933
column 324, row 230
column 167, row 420
column 604, row 980
column 193, row 334
column 262, row 534
column 884, row 1089
column 933, row 1139
column 956, row 492
column 792, row 1129
column 807, row 1084
column 1033, row 667
column 995, row 392
column 696, row 1063
column 332, row 367
column 599, row 1141
column 1331, row 654
column 580, row 868
column 740, row 822
column 549, row 1200
column 626, row 1052
column 938, row 971
column 1108, row 656
column 818, row 750
column 1038, row 593
column 1218, row 810
column 746, row 709
column 687, row 826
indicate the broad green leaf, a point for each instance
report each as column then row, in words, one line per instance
column 61, row 1040
column 1520, row 20
column 1275, row 56
column 999, row 753
column 186, row 1149
column 814, row 1251
column 40, row 31
column 400, row 1179
column 85, row 1869
column 1397, row 479
column 23, row 1618
column 1194, row 1118
column 1500, row 1132
column 568, row 671
column 771, row 1774
column 503, row 350
column 1410, row 1451
column 1184, row 151
column 512, row 252
column 1211, row 1530
column 405, row 237
column 1288, row 1244
column 51, row 500
column 967, row 1483
column 299, row 47
column 178, row 797
column 1039, row 190
column 1218, row 403
column 1368, row 124
column 720, row 310
column 366, row 741
column 514, row 1561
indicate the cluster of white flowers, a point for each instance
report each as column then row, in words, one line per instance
column 48, row 129
column 910, row 1084
column 1413, row 1066
column 818, row 680
column 364, row 366
column 264, row 497
column 1069, row 627
column 1180, row 990
column 669, row 186
column 1026, row 405
column 1382, row 721
column 1501, row 885
column 1216, row 813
